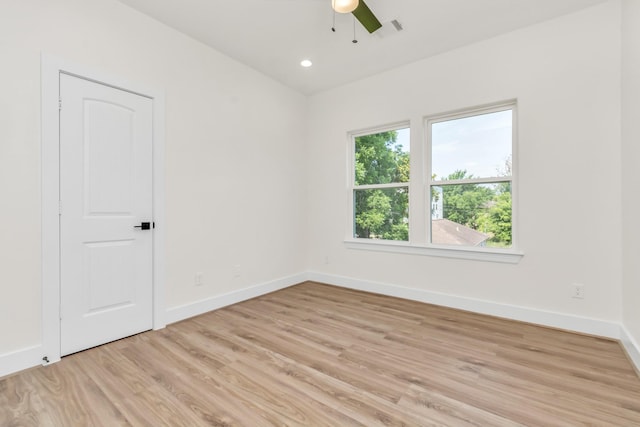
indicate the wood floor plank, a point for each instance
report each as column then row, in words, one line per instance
column 318, row 355
column 192, row 392
column 281, row 370
column 71, row 398
column 22, row 404
column 448, row 411
column 121, row 380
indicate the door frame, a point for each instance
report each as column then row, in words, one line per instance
column 51, row 68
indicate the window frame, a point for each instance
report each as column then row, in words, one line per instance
column 419, row 185
column 352, row 187
column 509, row 105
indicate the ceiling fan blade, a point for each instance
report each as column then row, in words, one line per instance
column 366, row 17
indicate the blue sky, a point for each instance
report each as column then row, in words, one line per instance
column 479, row 144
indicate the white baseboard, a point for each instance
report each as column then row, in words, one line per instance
column 32, row 356
column 20, row 360
column 525, row 314
column 631, row 347
column 26, row 358
column 186, row 311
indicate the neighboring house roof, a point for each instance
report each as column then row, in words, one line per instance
column 447, row 232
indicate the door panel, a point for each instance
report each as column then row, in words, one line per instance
column 108, row 150
column 105, row 189
column 116, row 289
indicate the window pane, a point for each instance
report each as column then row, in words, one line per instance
column 382, row 213
column 471, row 215
column 382, row 158
column 472, row 147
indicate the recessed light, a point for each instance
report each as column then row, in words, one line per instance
column 306, row 63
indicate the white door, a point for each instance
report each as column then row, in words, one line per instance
column 106, row 279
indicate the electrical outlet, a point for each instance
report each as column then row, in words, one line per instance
column 326, row 259
column 577, row 290
column 198, row 279
column 236, row 270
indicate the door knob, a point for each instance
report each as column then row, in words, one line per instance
column 144, row 225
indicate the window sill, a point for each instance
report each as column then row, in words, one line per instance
column 508, row 256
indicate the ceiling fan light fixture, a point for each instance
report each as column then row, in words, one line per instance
column 344, row 6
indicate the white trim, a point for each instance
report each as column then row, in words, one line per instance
column 567, row 322
column 631, row 347
column 493, row 107
column 29, row 357
column 428, row 121
column 197, row 308
column 50, row 198
column 402, row 124
column 382, row 186
column 489, row 180
column 351, row 162
column 19, row 360
column 159, row 217
column 50, row 72
column 470, row 253
column 32, row 356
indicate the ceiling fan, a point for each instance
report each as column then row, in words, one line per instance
column 360, row 11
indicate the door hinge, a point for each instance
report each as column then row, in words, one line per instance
column 59, row 104
column 59, row 208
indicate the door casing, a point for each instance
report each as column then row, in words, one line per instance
column 51, row 69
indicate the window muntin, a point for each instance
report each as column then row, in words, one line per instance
column 381, row 185
column 470, row 178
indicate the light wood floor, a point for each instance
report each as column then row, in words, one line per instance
column 316, row 355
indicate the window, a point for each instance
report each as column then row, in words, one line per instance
column 381, row 184
column 470, row 178
column 464, row 169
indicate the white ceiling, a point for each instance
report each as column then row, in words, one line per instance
column 273, row 36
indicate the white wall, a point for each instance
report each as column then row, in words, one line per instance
column 630, row 175
column 233, row 153
column 242, row 159
column 565, row 75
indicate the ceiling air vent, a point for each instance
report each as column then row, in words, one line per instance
column 389, row 28
column 396, row 25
